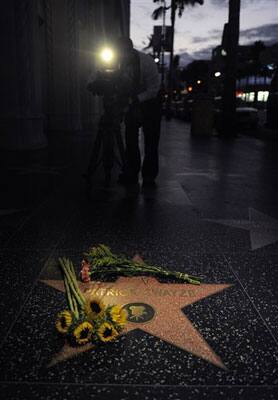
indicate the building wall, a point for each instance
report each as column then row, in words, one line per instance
column 49, row 55
column 21, row 117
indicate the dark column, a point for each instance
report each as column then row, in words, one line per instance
column 21, row 117
column 229, row 95
column 62, row 39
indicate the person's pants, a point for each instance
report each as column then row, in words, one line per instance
column 150, row 122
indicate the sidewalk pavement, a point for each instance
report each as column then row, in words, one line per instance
column 213, row 214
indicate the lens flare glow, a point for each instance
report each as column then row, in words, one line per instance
column 107, row 55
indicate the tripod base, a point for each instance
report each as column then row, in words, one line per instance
column 107, row 140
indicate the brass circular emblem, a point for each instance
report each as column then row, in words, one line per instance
column 139, row 313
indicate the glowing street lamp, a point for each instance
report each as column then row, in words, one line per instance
column 217, row 74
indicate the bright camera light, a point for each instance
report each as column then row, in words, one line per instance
column 217, row 74
column 107, row 55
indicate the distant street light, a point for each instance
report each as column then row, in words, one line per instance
column 156, row 60
column 217, row 74
column 199, row 82
column 190, row 88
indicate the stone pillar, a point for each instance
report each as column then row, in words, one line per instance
column 62, row 41
column 89, row 18
column 21, row 118
column 73, row 62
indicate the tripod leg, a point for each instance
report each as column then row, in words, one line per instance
column 95, row 155
column 120, row 144
column 108, row 152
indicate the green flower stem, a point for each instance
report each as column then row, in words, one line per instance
column 71, row 282
column 103, row 262
column 68, row 293
column 76, row 313
column 132, row 272
column 71, row 300
column 74, row 280
column 75, row 293
column 137, row 268
column 140, row 268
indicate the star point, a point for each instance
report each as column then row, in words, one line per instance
column 263, row 228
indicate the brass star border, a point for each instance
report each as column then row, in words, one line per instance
column 168, row 321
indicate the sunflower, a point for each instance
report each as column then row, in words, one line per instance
column 82, row 333
column 106, row 332
column 64, row 321
column 94, row 307
column 118, row 315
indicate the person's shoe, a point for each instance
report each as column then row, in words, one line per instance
column 127, row 180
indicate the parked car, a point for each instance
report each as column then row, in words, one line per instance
column 246, row 116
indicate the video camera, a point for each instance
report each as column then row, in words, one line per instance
column 110, row 81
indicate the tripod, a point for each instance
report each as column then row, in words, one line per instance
column 107, row 140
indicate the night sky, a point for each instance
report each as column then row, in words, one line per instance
column 200, row 27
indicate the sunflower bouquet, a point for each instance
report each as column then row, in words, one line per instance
column 100, row 263
column 87, row 319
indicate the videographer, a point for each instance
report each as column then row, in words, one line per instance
column 134, row 88
column 144, row 110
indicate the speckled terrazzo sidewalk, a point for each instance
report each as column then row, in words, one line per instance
column 213, row 214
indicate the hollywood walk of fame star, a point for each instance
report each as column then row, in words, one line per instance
column 263, row 229
column 155, row 308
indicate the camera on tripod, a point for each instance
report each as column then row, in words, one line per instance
column 114, row 89
column 110, row 81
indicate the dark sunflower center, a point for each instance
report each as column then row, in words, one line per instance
column 95, row 308
column 107, row 332
column 63, row 322
column 84, row 333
